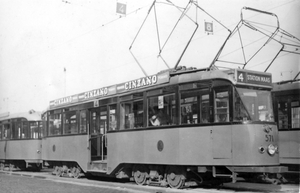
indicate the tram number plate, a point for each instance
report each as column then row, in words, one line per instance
column 269, row 138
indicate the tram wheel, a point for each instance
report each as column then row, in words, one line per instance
column 175, row 177
column 59, row 172
column 76, row 172
column 140, row 174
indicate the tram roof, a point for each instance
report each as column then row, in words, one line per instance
column 286, row 85
column 30, row 116
column 170, row 77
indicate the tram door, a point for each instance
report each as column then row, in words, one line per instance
column 98, row 129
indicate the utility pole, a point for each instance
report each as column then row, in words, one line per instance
column 65, row 82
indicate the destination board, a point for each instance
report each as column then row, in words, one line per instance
column 251, row 77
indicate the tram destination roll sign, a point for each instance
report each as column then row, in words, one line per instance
column 254, row 78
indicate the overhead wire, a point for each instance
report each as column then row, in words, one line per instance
column 270, row 38
column 48, row 49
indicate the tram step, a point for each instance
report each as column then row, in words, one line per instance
column 98, row 165
column 97, row 171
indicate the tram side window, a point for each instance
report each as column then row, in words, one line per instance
column 204, row 106
column 283, row 115
column 188, row 107
column 82, row 121
column 221, row 106
column 44, row 125
column 162, row 110
column 95, row 122
column 6, row 131
column 40, row 134
column 16, row 129
column 70, row 123
column 25, row 131
column 131, row 115
column 55, row 121
column 295, row 113
column 34, row 129
column 113, row 117
column 103, row 120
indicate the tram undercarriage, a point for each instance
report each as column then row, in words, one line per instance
column 10, row 165
column 187, row 176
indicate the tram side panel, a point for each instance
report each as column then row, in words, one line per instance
column 289, row 144
column 16, row 150
column 212, row 145
column 174, row 146
column 284, row 145
column 62, row 149
column 2, row 149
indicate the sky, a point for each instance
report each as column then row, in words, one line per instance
column 55, row 48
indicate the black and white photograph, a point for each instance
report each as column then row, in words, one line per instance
column 152, row 96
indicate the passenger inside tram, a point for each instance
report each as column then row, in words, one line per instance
column 159, row 118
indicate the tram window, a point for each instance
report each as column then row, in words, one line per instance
column 95, row 121
column 188, row 107
column 82, row 121
column 221, row 106
column 44, row 125
column 283, row 115
column 0, row 131
column 34, row 129
column 204, row 106
column 40, row 133
column 25, row 131
column 126, row 116
column 240, row 112
column 113, row 117
column 16, row 129
column 103, row 120
column 258, row 104
column 131, row 115
column 55, row 124
column 295, row 116
column 6, row 131
column 162, row 110
column 70, row 123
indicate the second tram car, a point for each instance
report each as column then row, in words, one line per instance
column 286, row 99
column 20, row 141
column 173, row 128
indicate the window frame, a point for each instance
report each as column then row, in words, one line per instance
column 60, row 123
column 67, row 128
column 169, row 114
column 132, row 115
column 229, row 108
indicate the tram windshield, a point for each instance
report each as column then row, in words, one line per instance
column 253, row 105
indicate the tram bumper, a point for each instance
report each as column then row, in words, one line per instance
column 258, row 169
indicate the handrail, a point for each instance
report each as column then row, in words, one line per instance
column 102, row 146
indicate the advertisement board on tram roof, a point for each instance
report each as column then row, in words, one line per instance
column 112, row 90
column 242, row 77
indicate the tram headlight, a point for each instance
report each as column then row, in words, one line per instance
column 272, row 149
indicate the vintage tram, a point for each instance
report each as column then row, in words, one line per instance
column 176, row 128
column 20, row 141
column 286, row 99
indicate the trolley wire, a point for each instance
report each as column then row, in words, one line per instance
column 51, row 48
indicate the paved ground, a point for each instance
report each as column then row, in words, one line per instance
column 23, row 181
